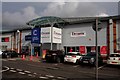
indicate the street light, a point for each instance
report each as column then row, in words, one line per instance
column 96, row 75
column 18, row 31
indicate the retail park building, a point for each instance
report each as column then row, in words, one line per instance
column 78, row 34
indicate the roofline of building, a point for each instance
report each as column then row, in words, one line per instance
column 77, row 20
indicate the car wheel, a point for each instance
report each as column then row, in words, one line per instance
column 77, row 61
column 58, row 60
column 92, row 61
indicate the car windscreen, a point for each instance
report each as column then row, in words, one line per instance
column 114, row 55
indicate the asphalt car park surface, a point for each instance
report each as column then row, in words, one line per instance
column 58, row 70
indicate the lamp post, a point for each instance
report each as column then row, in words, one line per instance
column 18, row 35
column 96, row 42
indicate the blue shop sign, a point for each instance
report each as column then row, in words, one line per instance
column 36, row 35
column 28, row 38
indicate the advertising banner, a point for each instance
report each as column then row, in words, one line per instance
column 35, row 35
column 103, row 50
column 82, row 49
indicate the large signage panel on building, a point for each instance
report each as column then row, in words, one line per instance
column 35, row 35
column 46, row 35
column 57, row 35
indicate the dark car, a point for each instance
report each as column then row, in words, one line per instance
column 9, row 54
column 54, row 56
column 90, row 58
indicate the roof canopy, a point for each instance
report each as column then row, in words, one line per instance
column 45, row 20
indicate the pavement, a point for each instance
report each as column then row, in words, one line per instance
column 27, row 58
column 33, row 58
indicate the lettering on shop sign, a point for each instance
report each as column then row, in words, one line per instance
column 78, row 34
column 56, row 33
column 45, row 33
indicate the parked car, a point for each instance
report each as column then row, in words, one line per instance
column 114, row 59
column 54, row 56
column 0, row 52
column 9, row 54
column 90, row 58
column 72, row 57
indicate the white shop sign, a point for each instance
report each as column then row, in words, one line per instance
column 46, row 35
column 78, row 34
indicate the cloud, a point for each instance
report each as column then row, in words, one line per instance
column 60, row 0
column 102, row 15
column 60, row 9
column 18, row 18
column 73, row 9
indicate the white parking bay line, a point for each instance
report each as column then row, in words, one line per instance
column 49, row 76
column 13, row 71
column 18, row 69
column 101, row 66
column 60, row 78
column 30, row 75
column 21, row 72
column 43, row 77
column 27, row 71
column 11, row 68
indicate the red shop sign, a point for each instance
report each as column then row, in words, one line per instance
column 103, row 50
column 82, row 49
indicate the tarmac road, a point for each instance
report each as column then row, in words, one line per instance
column 54, row 71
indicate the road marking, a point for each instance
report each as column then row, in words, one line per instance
column 49, row 76
column 21, row 72
column 60, row 78
column 29, row 74
column 27, row 71
column 18, row 69
column 11, row 68
column 43, row 77
column 6, row 69
column 101, row 66
column 13, row 71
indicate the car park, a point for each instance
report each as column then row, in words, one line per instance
column 114, row 59
column 9, row 54
column 72, row 57
column 90, row 58
column 54, row 56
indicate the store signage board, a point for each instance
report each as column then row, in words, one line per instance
column 46, row 35
column 28, row 38
column 35, row 35
column 57, row 35
column 78, row 34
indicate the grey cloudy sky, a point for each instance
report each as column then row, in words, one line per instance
column 16, row 14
